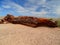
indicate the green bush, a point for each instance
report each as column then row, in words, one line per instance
column 59, row 23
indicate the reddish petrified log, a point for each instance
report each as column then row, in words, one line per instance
column 30, row 21
column 1, row 21
column 9, row 18
column 46, row 22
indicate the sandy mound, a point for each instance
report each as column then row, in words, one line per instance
column 11, row 34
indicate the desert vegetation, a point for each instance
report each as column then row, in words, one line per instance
column 58, row 20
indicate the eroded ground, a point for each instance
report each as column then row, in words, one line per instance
column 11, row 34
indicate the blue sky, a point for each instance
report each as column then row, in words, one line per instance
column 38, row 8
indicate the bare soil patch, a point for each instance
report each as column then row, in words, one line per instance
column 15, row 34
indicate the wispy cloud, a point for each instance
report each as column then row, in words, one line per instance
column 0, row 8
column 57, row 10
column 6, row 6
column 16, row 8
column 31, row 6
column 20, row 10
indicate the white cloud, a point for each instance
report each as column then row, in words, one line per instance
column 21, row 10
column 57, row 11
column 1, row 10
column 30, row 8
column 43, row 12
column 17, row 8
column 6, row 6
column 34, row 4
column 37, row 2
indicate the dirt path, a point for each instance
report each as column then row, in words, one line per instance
column 11, row 34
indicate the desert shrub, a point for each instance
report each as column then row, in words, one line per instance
column 51, row 19
column 58, row 23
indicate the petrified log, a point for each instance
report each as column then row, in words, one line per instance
column 9, row 18
column 46, row 22
column 30, row 21
column 1, row 21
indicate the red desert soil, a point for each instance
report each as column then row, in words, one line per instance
column 14, row 34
